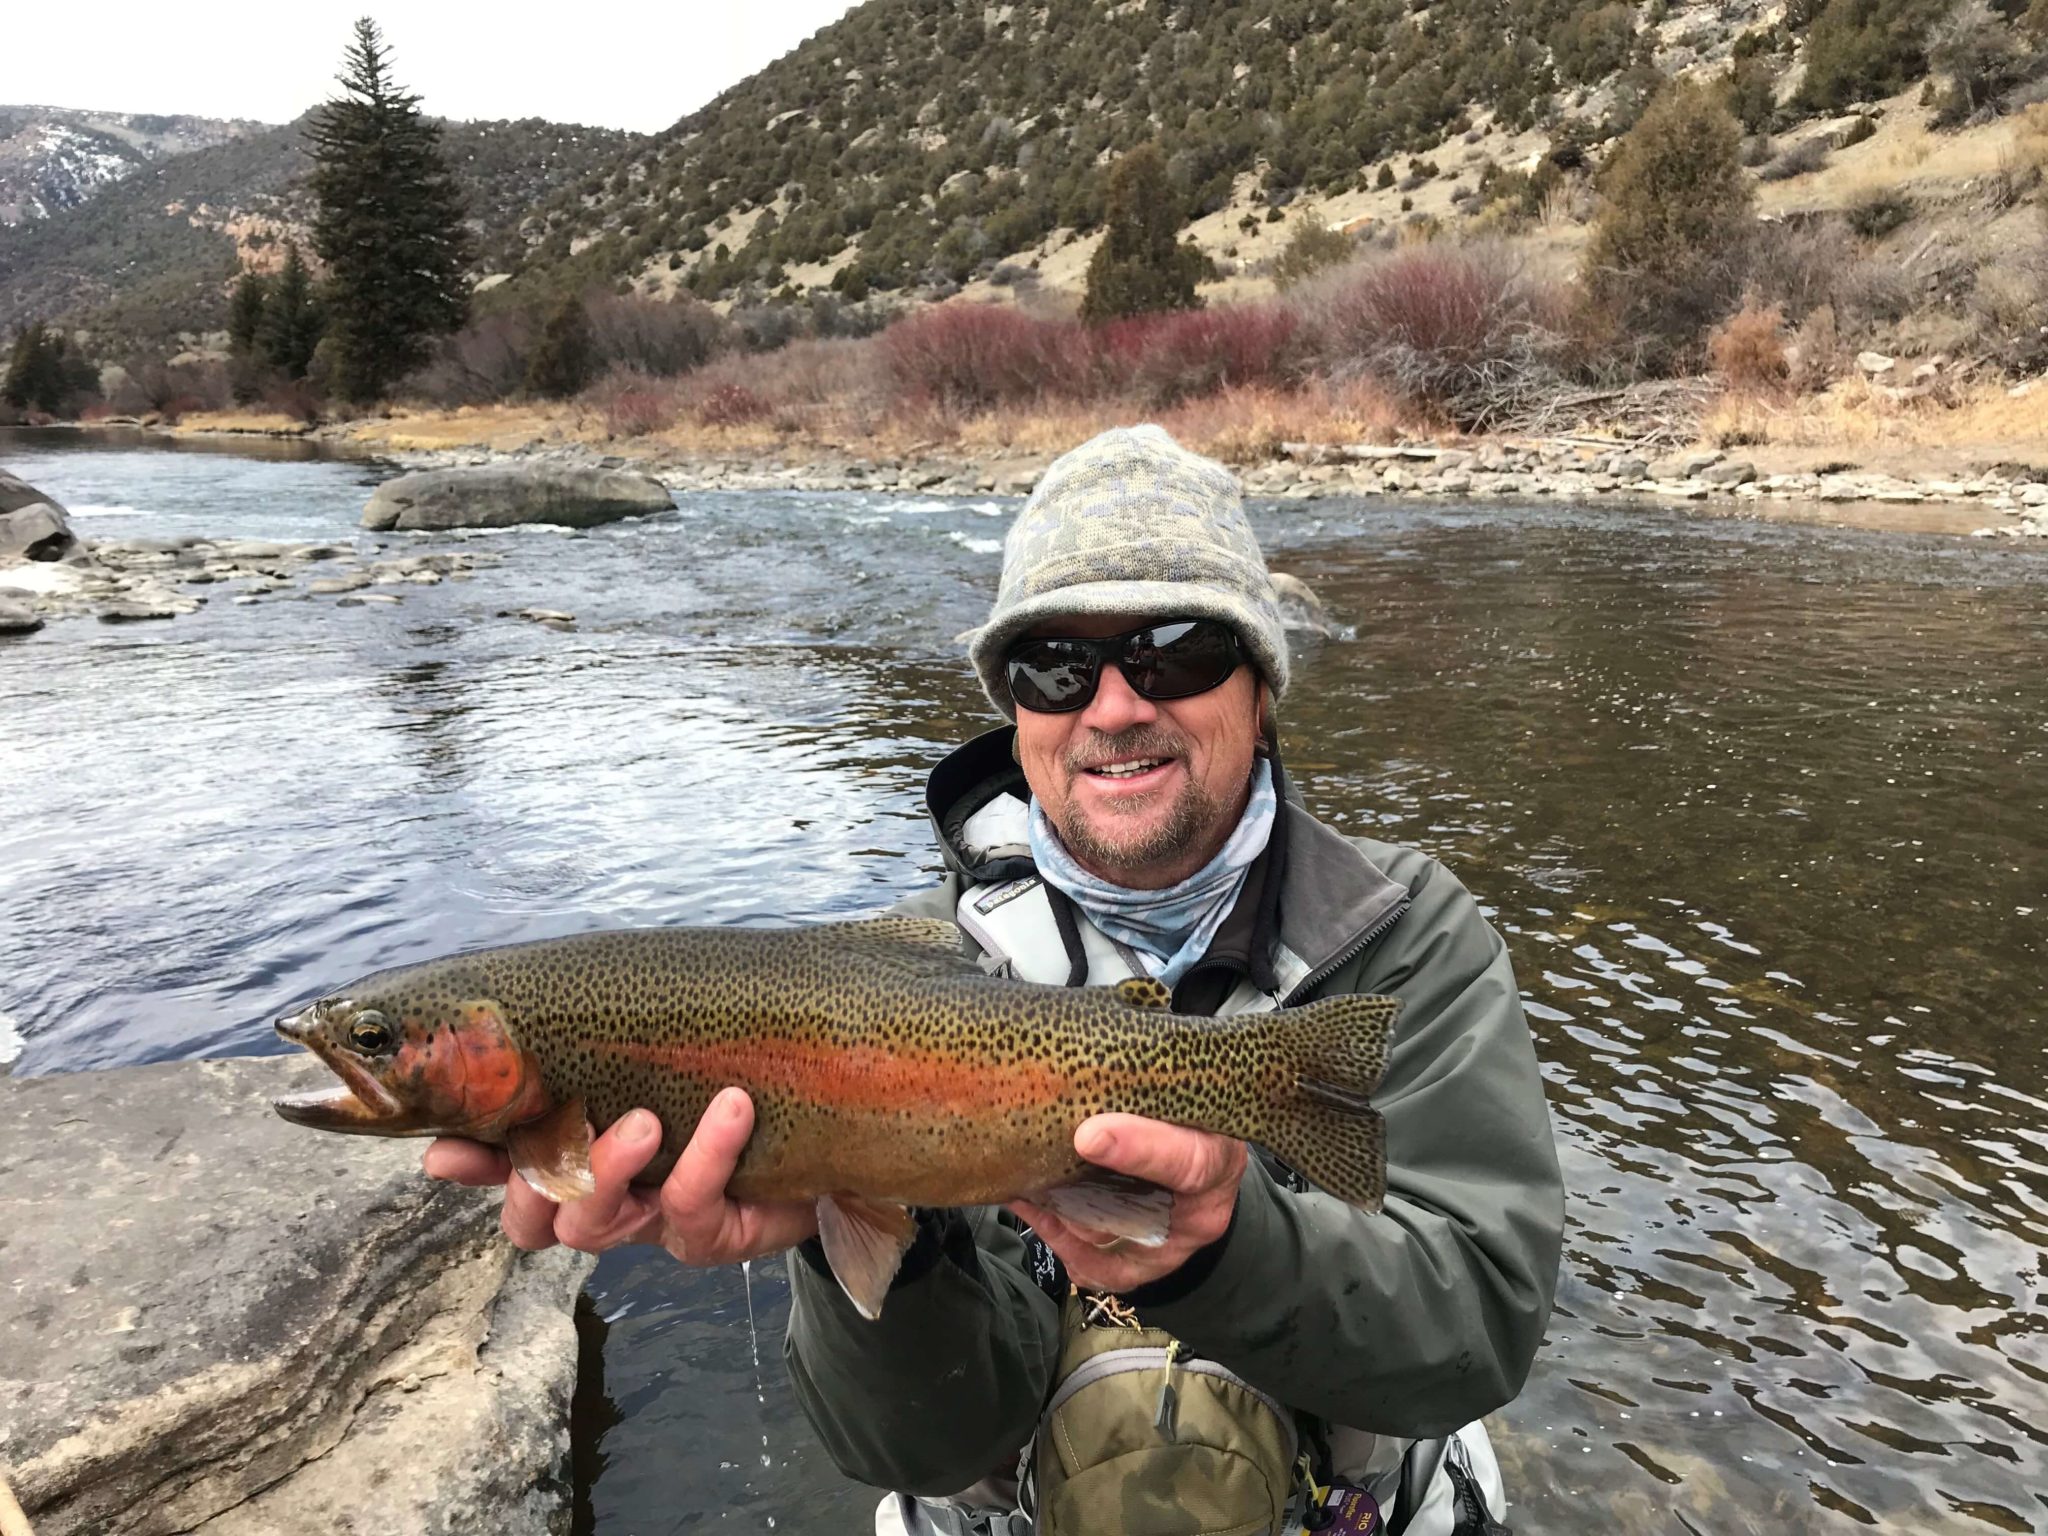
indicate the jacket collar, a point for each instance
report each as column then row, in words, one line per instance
column 1322, row 896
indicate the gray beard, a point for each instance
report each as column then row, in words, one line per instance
column 1112, row 851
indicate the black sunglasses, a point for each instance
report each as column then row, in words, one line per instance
column 1174, row 660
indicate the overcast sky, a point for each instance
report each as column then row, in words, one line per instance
column 621, row 65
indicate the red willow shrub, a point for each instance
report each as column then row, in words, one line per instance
column 732, row 405
column 972, row 357
column 1186, row 353
column 632, row 404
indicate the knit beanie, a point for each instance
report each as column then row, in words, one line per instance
column 1132, row 523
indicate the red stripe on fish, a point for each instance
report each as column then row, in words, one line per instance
column 853, row 1076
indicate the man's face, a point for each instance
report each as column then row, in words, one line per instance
column 1148, row 829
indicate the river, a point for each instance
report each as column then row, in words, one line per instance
column 1759, row 808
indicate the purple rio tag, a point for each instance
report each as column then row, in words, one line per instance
column 1348, row 1511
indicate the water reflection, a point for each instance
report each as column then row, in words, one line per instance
column 1760, row 811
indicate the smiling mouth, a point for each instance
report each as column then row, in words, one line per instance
column 1131, row 769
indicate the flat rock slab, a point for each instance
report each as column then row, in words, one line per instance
column 215, row 1321
column 504, row 496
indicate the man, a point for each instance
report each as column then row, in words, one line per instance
column 1137, row 823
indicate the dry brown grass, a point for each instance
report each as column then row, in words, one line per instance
column 1852, row 414
column 1243, row 425
column 267, row 423
column 504, row 428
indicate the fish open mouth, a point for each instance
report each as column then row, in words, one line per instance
column 357, row 1103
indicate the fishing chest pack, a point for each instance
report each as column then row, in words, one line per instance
column 1142, row 1438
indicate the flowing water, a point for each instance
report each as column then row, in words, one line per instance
column 1760, row 810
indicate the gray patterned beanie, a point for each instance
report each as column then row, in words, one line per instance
column 1132, row 523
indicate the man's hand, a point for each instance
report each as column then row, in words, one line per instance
column 689, row 1215
column 1202, row 1170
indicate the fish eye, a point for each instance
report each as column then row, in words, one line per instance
column 370, row 1033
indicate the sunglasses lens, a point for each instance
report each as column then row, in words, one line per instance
column 1051, row 676
column 1175, row 661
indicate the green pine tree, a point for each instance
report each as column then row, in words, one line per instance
column 245, row 313
column 389, row 225
column 44, row 374
column 561, row 365
column 1142, row 266
column 1668, row 252
column 292, row 318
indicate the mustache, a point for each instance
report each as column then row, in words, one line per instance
column 1138, row 741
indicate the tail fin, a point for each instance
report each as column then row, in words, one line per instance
column 1333, row 1054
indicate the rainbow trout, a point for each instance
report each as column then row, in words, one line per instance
column 886, row 1068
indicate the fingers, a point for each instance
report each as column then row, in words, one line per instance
column 608, row 1216
column 693, row 1198
column 529, row 1216
column 465, row 1162
column 1184, row 1161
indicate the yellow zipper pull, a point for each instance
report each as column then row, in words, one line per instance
column 1169, row 1400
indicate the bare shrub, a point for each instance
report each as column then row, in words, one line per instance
column 632, row 403
column 1802, row 159
column 764, row 327
column 1799, row 264
column 483, row 362
column 1748, row 348
column 2009, row 306
column 1814, row 356
column 174, row 389
column 832, row 317
column 732, row 405
column 1878, row 211
column 656, row 337
column 296, row 398
column 1463, row 329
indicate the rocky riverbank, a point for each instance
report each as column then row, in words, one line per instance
column 129, row 580
column 2002, row 498
column 221, row 1324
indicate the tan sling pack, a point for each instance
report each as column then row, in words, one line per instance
column 1142, row 1439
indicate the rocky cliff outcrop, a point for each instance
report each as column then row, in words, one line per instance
column 216, row 1322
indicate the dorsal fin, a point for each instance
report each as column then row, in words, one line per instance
column 931, row 945
column 1145, row 992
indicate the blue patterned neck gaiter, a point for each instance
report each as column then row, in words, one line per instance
column 1169, row 929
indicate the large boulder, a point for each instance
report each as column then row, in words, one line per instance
column 1301, row 611
column 501, row 497
column 32, row 525
column 220, row 1323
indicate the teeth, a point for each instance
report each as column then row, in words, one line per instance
column 1125, row 770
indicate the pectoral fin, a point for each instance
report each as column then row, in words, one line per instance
column 553, row 1153
column 864, row 1243
column 1112, row 1202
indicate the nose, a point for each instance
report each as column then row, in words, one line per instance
column 298, row 1027
column 1117, row 706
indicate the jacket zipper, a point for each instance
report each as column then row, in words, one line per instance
column 1344, row 956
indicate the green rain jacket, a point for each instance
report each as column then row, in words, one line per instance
column 1409, row 1323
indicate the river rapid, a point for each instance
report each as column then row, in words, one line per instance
column 1758, row 808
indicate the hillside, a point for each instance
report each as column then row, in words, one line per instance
column 54, row 158
column 152, row 255
column 916, row 144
